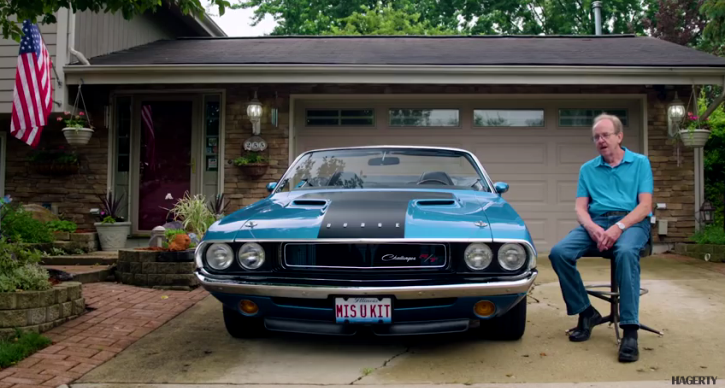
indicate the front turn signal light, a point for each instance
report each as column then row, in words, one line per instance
column 484, row 308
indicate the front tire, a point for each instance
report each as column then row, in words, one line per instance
column 508, row 327
column 239, row 326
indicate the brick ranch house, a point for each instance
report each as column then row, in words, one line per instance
column 523, row 105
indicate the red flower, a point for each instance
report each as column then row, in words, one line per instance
column 81, row 114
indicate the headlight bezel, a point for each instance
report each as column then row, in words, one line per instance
column 494, row 268
column 483, row 246
column 240, row 251
column 516, row 246
column 223, row 246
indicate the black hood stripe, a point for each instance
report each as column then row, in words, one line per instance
column 355, row 214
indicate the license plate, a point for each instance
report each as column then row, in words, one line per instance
column 363, row 310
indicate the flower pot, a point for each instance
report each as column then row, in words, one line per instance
column 254, row 170
column 113, row 236
column 694, row 137
column 77, row 136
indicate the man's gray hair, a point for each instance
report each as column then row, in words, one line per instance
column 618, row 127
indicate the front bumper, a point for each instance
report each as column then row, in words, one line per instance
column 461, row 290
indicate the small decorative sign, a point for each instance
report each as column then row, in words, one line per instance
column 255, row 143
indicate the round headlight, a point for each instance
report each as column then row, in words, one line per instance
column 511, row 256
column 219, row 256
column 478, row 256
column 251, row 256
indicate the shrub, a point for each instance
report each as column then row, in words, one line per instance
column 711, row 234
column 62, row 226
column 194, row 214
column 19, row 269
column 714, row 161
column 20, row 226
column 169, row 235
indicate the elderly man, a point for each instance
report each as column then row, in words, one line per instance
column 613, row 204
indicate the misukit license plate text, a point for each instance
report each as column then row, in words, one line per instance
column 363, row 310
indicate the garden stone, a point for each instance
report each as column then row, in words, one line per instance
column 28, row 299
column 61, row 294
column 148, row 268
column 186, row 268
column 37, row 316
column 140, row 279
column 127, row 256
column 79, row 306
column 62, row 236
column 146, row 257
column 53, row 313
column 40, row 213
column 7, row 300
column 13, row 318
column 66, row 309
column 74, row 290
column 154, row 279
column 46, row 326
column 135, row 268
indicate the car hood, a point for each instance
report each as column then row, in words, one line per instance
column 371, row 214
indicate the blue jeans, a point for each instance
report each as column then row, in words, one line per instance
column 626, row 250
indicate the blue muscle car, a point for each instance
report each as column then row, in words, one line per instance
column 394, row 239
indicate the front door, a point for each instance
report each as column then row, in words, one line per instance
column 164, row 154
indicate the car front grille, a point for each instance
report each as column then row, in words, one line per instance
column 352, row 256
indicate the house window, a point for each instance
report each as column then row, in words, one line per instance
column 424, row 117
column 508, row 118
column 585, row 117
column 340, row 117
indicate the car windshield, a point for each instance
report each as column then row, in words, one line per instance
column 386, row 168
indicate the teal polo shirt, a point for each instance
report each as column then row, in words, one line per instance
column 615, row 188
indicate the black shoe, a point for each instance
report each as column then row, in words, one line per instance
column 583, row 329
column 628, row 351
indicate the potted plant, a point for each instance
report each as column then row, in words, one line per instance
column 112, row 229
column 253, row 164
column 76, row 132
column 696, row 131
column 54, row 162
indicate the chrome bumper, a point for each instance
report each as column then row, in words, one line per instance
column 405, row 292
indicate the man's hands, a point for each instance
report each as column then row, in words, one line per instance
column 604, row 239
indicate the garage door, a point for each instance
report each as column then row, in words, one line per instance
column 537, row 146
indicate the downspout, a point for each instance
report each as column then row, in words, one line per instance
column 597, row 6
column 80, row 56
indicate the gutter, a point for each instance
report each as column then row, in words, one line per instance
column 295, row 73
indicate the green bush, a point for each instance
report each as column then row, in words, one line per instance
column 711, row 234
column 20, row 226
column 715, row 160
column 62, row 226
column 19, row 269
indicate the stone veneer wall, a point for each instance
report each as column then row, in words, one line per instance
column 40, row 311
column 674, row 184
column 142, row 268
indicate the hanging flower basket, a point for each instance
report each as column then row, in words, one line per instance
column 77, row 136
column 694, row 138
column 254, row 170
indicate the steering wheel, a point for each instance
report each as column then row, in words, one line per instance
column 433, row 180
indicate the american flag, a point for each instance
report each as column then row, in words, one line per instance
column 32, row 98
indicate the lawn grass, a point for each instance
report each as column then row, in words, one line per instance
column 22, row 345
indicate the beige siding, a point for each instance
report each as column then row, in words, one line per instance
column 104, row 33
column 9, row 61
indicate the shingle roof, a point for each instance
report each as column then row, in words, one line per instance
column 605, row 50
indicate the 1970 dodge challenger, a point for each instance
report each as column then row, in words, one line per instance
column 398, row 240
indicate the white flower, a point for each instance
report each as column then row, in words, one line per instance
column 168, row 196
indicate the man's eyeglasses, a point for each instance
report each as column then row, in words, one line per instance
column 596, row 138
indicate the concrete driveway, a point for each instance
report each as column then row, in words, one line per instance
column 685, row 301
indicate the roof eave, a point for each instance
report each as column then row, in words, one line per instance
column 393, row 74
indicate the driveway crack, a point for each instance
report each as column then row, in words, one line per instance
column 385, row 363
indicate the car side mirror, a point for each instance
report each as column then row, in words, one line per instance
column 501, row 187
column 271, row 186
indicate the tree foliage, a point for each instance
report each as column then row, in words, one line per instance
column 386, row 20
column 677, row 21
column 299, row 17
column 13, row 12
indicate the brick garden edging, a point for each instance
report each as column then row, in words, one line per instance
column 40, row 311
column 698, row 251
column 152, row 269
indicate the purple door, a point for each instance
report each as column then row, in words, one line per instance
column 165, row 159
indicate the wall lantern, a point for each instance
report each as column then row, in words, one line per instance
column 254, row 111
column 675, row 114
column 707, row 212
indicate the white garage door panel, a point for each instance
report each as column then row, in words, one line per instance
column 540, row 165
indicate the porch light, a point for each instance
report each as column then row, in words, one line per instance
column 675, row 113
column 254, row 111
column 707, row 211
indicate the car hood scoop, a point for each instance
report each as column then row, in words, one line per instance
column 369, row 214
